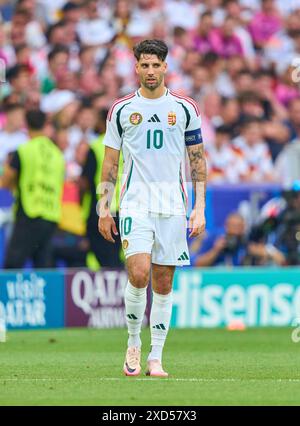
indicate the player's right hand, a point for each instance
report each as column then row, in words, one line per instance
column 196, row 223
column 107, row 225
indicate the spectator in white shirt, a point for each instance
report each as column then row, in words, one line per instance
column 13, row 133
column 94, row 30
column 223, row 164
column 254, row 152
column 83, row 130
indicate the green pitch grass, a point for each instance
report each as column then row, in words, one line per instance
column 206, row 367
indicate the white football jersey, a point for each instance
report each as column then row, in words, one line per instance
column 153, row 135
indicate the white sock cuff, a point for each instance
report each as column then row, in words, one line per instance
column 162, row 299
column 134, row 290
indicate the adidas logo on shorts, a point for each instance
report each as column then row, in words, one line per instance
column 184, row 256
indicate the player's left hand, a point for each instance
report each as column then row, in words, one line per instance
column 197, row 223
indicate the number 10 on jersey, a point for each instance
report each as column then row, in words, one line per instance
column 155, row 139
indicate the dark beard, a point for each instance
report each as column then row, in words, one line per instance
column 152, row 87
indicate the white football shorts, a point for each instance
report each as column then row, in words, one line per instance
column 164, row 237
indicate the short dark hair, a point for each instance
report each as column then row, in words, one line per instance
column 223, row 129
column 20, row 47
column 35, row 119
column 70, row 6
column 151, row 47
column 244, row 71
column 20, row 11
column 86, row 103
column 57, row 50
column 248, row 97
column 12, row 107
column 209, row 59
column 205, row 14
column 15, row 71
column 248, row 120
column 226, row 100
column 179, row 31
column 264, row 73
column 52, row 28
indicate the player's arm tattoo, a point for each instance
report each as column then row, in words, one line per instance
column 113, row 173
column 109, row 177
column 198, row 173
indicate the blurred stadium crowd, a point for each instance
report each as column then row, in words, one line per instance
column 240, row 60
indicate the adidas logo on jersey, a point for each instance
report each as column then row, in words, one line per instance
column 154, row 119
column 184, row 256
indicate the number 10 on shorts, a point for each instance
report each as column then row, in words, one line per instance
column 125, row 225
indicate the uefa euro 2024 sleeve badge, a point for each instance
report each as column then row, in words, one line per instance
column 171, row 118
column 136, row 118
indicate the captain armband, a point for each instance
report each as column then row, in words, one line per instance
column 193, row 137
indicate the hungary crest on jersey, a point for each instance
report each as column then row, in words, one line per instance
column 135, row 118
column 171, row 118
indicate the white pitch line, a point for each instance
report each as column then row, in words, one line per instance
column 117, row 379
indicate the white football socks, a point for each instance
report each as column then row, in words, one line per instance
column 135, row 305
column 160, row 317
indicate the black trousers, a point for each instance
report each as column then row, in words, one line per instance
column 106, row 252
column 31, row 239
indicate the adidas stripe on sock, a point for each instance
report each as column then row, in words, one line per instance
column 135, row 305
column 159, row 323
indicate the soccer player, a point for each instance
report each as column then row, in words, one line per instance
column 153, row 127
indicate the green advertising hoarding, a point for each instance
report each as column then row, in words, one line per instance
column 218, row 297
